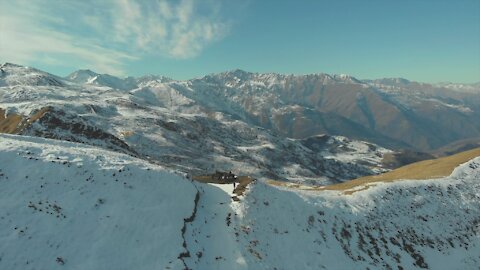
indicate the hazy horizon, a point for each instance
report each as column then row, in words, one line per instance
column 425, row 41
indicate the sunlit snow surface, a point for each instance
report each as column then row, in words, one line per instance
column 63, row 200
column 92, row 208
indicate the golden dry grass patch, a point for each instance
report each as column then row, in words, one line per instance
column 9, row 123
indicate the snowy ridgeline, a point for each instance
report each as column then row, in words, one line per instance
column 69, row 206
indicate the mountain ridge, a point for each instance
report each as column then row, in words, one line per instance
column 394, row 113
column 346, row 77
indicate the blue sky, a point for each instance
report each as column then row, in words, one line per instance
column 423, row 40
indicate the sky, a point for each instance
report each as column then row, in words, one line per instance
column 421, row 40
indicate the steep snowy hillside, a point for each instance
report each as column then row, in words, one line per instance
column 431, row 224
column 71, row 206
column 408, row 224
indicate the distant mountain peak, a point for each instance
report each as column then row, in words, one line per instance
column 85, row 71
column 13, row 74
column 398, row 81
column 238, row 73
column 87, row 76
column 347, row 78
column 152, row 78
column 82, row 75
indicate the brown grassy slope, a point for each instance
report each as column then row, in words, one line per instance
column 427, row 169
column 9, row 124
column 15, row 124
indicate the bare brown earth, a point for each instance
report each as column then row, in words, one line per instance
column 15, row 123
column 9, row 124
column 427, row 169
column 243, row 182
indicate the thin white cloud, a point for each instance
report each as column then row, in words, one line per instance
column 106, row 35
column 173, row 28
column 24, row 41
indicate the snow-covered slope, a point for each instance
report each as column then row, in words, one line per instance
column 429, row 224
column 432, row 224
column 71, row 206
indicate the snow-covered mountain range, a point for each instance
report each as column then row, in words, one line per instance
column 238, row 120
column 177, row 124
column 394, row 113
